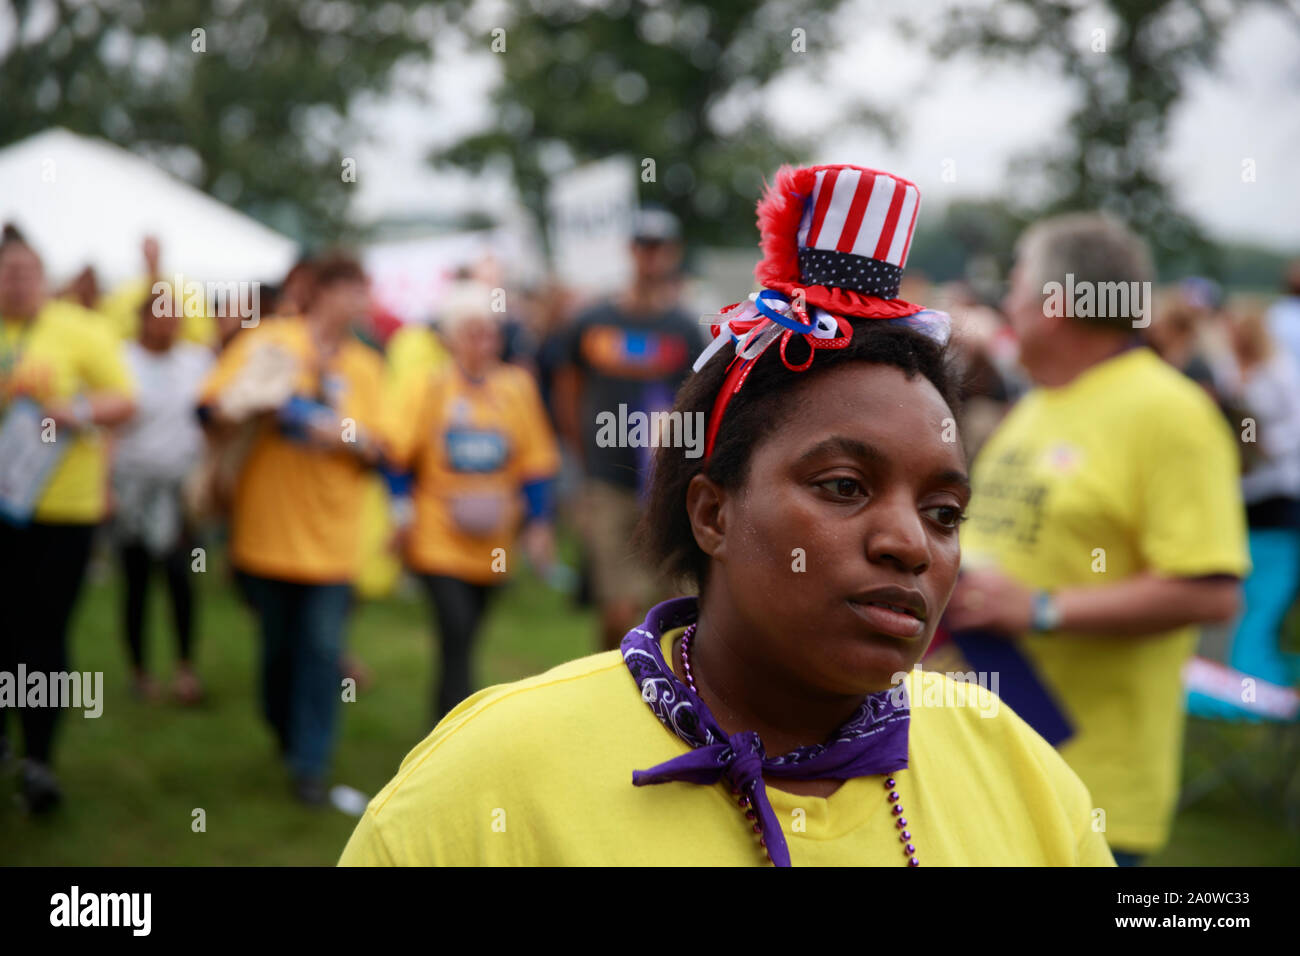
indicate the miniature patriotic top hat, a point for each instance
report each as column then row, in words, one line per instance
column 835, row 240
column 842, row 234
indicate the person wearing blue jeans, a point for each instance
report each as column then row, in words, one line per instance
column 294, row 409
column 302, row 634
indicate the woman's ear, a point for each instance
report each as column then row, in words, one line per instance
column 704, row 500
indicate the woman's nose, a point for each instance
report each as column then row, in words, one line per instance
column 896, row 535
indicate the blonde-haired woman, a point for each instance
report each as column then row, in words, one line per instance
column 474, row 434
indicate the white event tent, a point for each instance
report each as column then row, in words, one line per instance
column 83, row 201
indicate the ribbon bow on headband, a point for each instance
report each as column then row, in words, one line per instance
column 765, row 317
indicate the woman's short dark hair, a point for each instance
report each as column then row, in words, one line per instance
column 664, row 531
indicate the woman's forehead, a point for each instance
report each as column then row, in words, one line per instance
column 871, row 405
column 870, row 393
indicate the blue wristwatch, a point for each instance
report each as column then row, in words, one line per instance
column 1047, row 613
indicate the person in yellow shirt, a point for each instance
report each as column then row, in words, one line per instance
column 1106, row 523
column 477, row 440
column 777, row 718
column 414, row 351
column 62, row 380
column 315, row 395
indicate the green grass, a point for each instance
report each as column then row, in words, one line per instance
column 133, row 777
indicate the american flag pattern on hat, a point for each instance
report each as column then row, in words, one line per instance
column 857, row 229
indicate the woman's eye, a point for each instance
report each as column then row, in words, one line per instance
column 844, row 487
column 947, row 516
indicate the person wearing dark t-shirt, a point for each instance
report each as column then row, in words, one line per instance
column 633, row 351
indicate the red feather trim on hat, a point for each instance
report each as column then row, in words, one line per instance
column 780, row 211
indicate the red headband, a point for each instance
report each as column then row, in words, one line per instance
column 756, row 328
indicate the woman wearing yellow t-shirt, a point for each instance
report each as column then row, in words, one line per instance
column 60, row 368
column 778, row 717
column 475, row 437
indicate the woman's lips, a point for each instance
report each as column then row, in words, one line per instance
column 890, row 621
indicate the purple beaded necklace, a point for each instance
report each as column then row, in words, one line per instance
column 743, row 798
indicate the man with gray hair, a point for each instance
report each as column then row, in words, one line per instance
column 1106, row 521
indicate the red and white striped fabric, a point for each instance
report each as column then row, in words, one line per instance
column 863, row 212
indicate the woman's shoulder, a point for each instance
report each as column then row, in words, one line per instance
column 514, row 720
column 513, row 752
column 565, row 692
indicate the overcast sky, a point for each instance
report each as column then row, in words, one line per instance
column 974, row 113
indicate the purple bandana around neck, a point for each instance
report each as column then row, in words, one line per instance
column 873, row 741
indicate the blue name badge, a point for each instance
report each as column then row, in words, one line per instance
column 475, row 450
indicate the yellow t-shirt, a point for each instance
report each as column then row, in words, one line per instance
column 1128, row 468
column 297, row 510
column 65, row 352
column 413, row 351
column 539, row 772
column 472, row 447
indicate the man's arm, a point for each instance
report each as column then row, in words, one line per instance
column 1141, row 605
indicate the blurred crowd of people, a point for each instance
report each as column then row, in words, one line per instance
column 330, row 448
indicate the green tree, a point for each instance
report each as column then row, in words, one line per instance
column 247, row 100
column 1132, row 61
column 678, row 82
